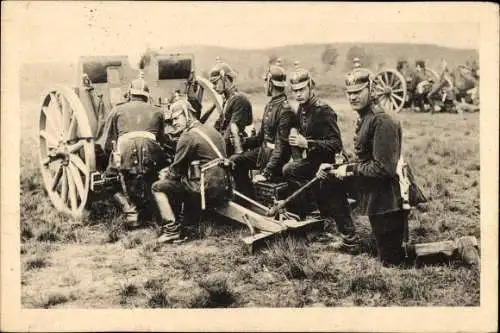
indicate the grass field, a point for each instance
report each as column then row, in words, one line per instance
column 94, row 263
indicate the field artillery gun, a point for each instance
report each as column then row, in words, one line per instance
column 71, row 120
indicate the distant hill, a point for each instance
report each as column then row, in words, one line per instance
column 251, row 64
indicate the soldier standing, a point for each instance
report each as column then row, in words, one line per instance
column 269, row 150
column 318, row 136
column 236, row 108
column 136, row 129
column 180, row 183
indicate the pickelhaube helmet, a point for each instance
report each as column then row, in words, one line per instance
column 300, row 78
column 357, row 79
column 220, row 70
column 277, row 75
column 139, row 87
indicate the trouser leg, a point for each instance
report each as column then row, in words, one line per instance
column 298, row 173
column 243, row 163
column 332, row 202
column 388, row 230
column 169, row 196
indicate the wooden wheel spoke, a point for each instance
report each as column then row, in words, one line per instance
column 76, row 146
column 57, row 178
column 77, row 178
column 386, row 81
column 56, row 111
column 64, row 186
column 400, row 90
column 49, row 121
column 71, row 129
column 72, row 192
column 397, row 97
column 394, row 103
column 67, row 117
column 77, row 161
column 51, row 140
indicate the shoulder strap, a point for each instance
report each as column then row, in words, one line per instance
column 207, row 139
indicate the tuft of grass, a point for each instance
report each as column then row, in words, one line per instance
column 49, row 233
column 36, row 263
column 132, row 241
column 55, row 299
column 159, row 299
column 154, row 284
column 219, row 294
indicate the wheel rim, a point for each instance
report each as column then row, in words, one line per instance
column 67, row 155
column 210, row 98
column 389, row 88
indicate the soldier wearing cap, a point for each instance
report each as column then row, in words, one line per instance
column 319, row 135
column 377, row 146
column 132, row 136
column 236, row 107
column 269, row 150
column 180, row 182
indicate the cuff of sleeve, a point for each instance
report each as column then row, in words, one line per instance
column 311, row 144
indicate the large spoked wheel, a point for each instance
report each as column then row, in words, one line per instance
column 211, row 102
column 67, row 154
column 390, row 90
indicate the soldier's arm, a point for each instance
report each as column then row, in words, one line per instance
column 330, row 141
column 281, row 153
column 241, row 112
column 109, row 133
column 180, row 165
column 386, row 151
column 255, row 141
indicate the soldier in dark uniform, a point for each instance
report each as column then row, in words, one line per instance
column 180, row 183
column 237, row 108
column 269, row 150
column 319, row 139
column 378, row 148
column 136, row 128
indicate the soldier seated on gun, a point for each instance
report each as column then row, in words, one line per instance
column 181, row 182
column 236, row 107
column 269, row 150
column 317, row 140
column 132, row 136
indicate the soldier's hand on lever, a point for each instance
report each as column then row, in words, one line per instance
column 259, row 178
column 297, row 140
column 340, row 172
column 324, row 170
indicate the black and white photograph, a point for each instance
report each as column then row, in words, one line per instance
column 296, row 166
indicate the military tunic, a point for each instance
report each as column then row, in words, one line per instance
column 138, row 129
column 269, row 150
column 236, row 109
column 179, row 185
column 377, row 146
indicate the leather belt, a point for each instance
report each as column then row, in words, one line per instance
column 133, row 135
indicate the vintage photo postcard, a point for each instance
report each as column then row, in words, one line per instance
column 249, row 166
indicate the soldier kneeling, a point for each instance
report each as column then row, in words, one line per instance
column 132, row 137
column 189, row 176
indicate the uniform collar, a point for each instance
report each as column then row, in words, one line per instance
column 231, row 91
column 278, row 98
column 311, row 101
column 370, row 108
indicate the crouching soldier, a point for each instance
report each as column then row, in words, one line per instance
column 317, row 140
column 269, row 150
column 132, row 136
column 180, row 183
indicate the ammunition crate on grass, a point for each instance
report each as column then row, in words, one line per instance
column 267, row 193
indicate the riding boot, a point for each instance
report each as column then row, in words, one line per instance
column 170, row 228
column 128, row 209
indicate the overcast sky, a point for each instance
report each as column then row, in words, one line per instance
column 63, row 31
